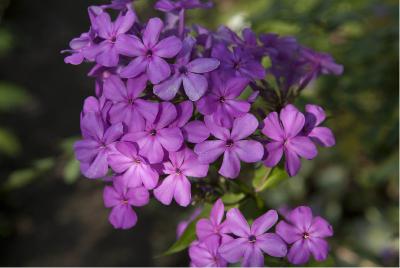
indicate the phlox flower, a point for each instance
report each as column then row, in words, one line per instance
column 315, row 115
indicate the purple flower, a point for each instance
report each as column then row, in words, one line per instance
column 193, row 131
column 205, row 253
column 155, row 136
column 121, row 199
column 322, row 63
column 189, row 73
column 79, row 48
column 232, row 144
column 149, row 53
column 97, row 143
column 252, row 241
column 114, row 37
column 323, row 136
column 239, row 62
column 212, row 227
column 306, row 235
column 285, row 133
column 176, row 6
column 134, row 169
column 177, row 186
column 221, row 102
column 127, row 104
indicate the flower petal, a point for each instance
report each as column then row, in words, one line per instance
column 167, row 90
column 170, row 138
column 292, row 120
column 111, row 197
column 114, row 89
column 274, row 152
column 167, row 114
column 97, row 168
column 135, row 86
column 272, row 127
column 158, row 70
column 134, row 68
column 233, row 250
column 203, row 65
column 319, row 248
column 195, row 85
column 243, row 127
column 253, row 257
column 138, row 197
column 323, row 136
column 184, row 113
column 230, row 165
column 207, row 105
column 122, row 217
column 217, row 212
column 108, row 56
column 217, row 131
column 264, row 222
column 165, row 192
column 272, row 244
column 302, row 146
column 152, row 150
column 288, row 232
column 182, row 192
column 317, row 112
column 195, row 132
column 168, row 47
column 320, row 228
column 301, row 217
column 147, row 109
column 209, row 151
column 292, row 163
column 249, row 151
column 130, row 45
column 236, row 223
column 152, row 32
column 235, row 86
column 299, row 253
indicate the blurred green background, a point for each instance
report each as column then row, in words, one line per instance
column 51, row 216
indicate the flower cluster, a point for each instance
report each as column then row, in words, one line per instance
column 170, row 101
column 220, row 241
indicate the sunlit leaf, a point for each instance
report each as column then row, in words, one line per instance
column 71, row 171
column 9, row 144
column 268, row 178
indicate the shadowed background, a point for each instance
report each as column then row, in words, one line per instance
column 51, row 216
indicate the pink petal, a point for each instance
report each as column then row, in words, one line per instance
column 292, row 163
column 167, row 114
column 167, row 90
column 292, row 120
column 274, row 153
column 135, row 86
column 135, row 67
column 147, row 109
column 182, row 192
column 152, row 32
column 319, row 248
column 272, row 127
column 170, row 138
column 264, row 222
column 111, row 197
column 124, row 23
column 207, row 105
column 217, row 212
column 195, row 86
column 230, row 165
column 235, row 86
column 104, row 24
column 209, row 151
column 249, row 151
column 109, row 55
column 299, row 253
column 203, row 65
column 204, row 229
column 320, row 228
column 185, row 112
column 138, row 197
column 165, row 192
column 253, row 257
column 272, row 244
column 195, row 132
column 288, row 232
column 168, row 47
column 233, row 250
column 122, row 217
column 217, row 131
column 86, row 150
column 96, row 169
column 244, row 126
column 301, row 217
column 317, row 112
column 323, row 136
column 152, row 150
column 158, row 70
column 130, row 45
column 302, row 146
column 237, row 224
column 113, row 133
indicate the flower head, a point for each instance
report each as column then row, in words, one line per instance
column 97, row 143
column 189, row 73
column 285, row 134
column 154, row 136
column 134, row 169
column 232, row 144
column 181, row 164
column 121, row 199
column 149, row 53
column 252, row 241
column 222, row 103
column 214, row 226
column 306, row 234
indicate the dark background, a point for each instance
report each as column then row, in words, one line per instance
column 49, row 216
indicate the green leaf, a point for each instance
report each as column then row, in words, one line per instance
column 12, row 96
column 268, row 178
column 189, row 235
column 232, row 198
column 20, row 178
column 71, row 171
column 9, row 144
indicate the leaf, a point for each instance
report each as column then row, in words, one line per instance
column 71, row 171
column 20, row 178
column 12, row 96
column 189, row 235
column 271, row 178
column 232, row 198
column 9, row 144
